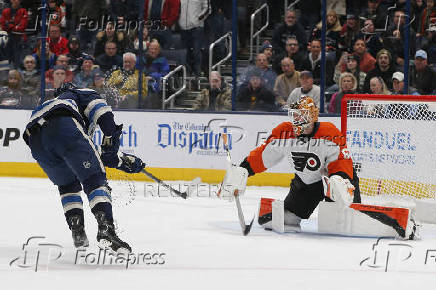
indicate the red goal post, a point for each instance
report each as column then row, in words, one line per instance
column 392, row 141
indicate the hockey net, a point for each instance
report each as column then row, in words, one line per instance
column 391, row 140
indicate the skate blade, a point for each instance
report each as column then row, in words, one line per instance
column 83, row 246
column 106, row 245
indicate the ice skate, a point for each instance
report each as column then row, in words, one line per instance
column 78, row 232
column 106, row 236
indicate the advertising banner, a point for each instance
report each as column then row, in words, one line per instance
column 166, row 139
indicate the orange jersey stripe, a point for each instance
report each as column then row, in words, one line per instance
column 328, row 131
column 282, row 131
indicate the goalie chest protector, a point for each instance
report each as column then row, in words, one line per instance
column 323, row 152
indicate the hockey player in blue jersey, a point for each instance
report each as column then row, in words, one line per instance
column 59, row 135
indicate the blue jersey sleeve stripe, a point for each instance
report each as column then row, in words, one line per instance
column 95, row 109
column 46, row 107
column 92, row 105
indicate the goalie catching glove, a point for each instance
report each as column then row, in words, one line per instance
column 338, row 189
column 112, row 158
column 234, row 182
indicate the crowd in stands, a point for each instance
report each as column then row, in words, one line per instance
column 95, row 44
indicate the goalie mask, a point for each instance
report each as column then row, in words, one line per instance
column 303, row 114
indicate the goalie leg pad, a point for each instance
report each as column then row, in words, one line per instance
column 366, row 220
column 283, row 220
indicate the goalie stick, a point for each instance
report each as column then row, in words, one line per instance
column 245, row 228
column 183, row 195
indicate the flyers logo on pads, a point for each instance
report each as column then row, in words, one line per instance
column 305, row 160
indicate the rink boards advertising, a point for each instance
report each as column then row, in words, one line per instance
column 177, row 146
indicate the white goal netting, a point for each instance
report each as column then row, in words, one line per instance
column 392, row 141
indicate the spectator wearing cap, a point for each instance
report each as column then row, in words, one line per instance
column 313, row 63
column 109, row 34
column 110, row 94
column 216, row 97
column 110, row 60
column 261, row 67
column 398, row 85
column 349, row 32
column 61, row 60
column 75, row 55
column 307, row 89
column 293, row 52
column 289, row 28
column 347, row 85
column 332, row 34
column 256, row 96
column 286, row 82
column 57, row 43
column 85, row 77
column 383, row 68
column 421, row 76
column 267, row 50
column 394, row 40
column 14, row 20
column 352, row 66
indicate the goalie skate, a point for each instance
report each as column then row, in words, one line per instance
column 107, row 238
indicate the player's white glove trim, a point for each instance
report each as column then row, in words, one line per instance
column 234, row 182
column 338, row 189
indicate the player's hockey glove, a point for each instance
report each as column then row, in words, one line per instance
column 110, row 147
column 112, row 158
column 130, row 163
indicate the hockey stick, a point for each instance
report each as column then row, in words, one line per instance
column 245, row 228
column 183, row 195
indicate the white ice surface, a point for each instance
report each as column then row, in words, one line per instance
column 203, row 245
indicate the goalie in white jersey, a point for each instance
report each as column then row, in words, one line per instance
column 318, row 155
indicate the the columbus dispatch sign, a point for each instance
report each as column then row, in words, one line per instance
column 191, row 138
